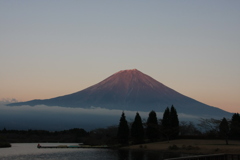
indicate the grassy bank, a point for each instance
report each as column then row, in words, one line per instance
column 192, row 146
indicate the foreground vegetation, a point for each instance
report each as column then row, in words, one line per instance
column 191, row 146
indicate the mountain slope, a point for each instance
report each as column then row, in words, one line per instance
column 130, row 90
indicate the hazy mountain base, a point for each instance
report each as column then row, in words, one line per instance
column 60, row 118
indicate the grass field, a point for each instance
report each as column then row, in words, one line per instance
column 192, row 146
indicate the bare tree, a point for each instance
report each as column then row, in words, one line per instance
column 188, row 128
column 210, row 126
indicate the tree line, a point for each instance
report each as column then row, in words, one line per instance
column 29, row 136
column 134, row 132
column 167, row 128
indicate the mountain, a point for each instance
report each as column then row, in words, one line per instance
column 130, row 90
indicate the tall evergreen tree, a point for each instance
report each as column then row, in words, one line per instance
column 152, row 131
column 224, row 129
column 123, row 130
column 166, row 119
column 174, row 122
column 137, row 131
column 235, row 126
column 170, row 123
column 165, row 125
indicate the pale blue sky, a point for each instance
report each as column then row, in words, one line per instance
column 53, row 48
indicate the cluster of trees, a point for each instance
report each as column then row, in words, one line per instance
column 167, row 128
column 29, row 136
column 212, row 128
column 99, row 136
column 224, row 128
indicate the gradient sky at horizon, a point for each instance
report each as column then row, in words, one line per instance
column 54, row 48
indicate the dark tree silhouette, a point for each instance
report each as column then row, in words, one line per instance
column 235, row 126
column 174, row 122
column 170, row 123
column 166, row 119
column 137, row 131
column 224, row 129
column 165, row 125
column 123, row 130
column 152, row 130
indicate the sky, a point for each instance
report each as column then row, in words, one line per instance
column 53, row 48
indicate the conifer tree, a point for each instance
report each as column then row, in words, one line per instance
column 224, row 129
column 235, row 126
column 174, row 122
column 170, row 123
column 137, row 131
column 152, row 131
column 166, row 119
column 123, row 130
column 165, row 125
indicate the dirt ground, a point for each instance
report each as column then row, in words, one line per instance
column 192, row 146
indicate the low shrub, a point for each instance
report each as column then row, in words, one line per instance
column 189, row 147
column 173, row 147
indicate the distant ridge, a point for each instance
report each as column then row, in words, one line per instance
column 130, row 90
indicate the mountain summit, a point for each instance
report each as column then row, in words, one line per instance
column 129, row 90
